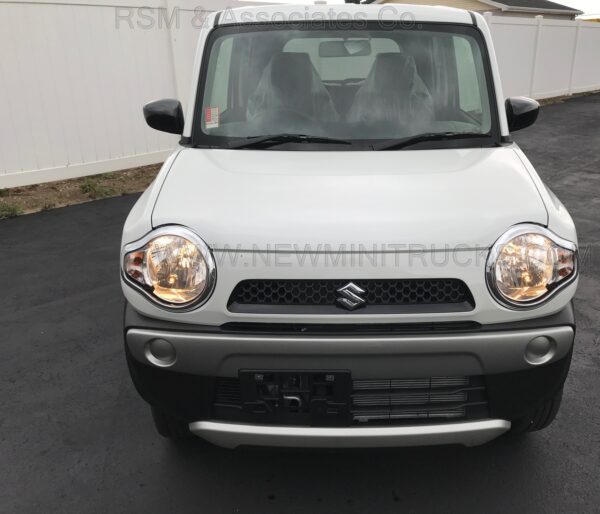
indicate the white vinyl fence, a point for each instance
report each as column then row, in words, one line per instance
column 74, row 76
column 543, row 58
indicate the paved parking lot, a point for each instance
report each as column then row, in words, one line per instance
column 75, row 437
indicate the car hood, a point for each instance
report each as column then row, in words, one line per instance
column 328, row 201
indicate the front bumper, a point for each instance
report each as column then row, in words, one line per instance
column 515, row 384
column 231, row 435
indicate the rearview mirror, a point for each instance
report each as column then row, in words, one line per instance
column 521, row 112
column 347, row 48
column 165, row 115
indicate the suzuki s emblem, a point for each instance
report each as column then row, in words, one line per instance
column 350, row 296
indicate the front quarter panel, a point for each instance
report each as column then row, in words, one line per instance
column 559, row 219
column 139, row 220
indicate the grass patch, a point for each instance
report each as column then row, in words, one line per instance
column 94, row 190
column 8, row 210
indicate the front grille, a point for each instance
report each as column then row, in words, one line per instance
column 405, row 401
column 418, row 399
column 395, row 295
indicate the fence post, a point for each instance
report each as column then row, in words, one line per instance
column 574, row 56
column 539, row 19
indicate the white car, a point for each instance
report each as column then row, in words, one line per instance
column 348, row 249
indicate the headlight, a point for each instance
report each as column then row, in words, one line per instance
column 172, row 266
column 528, row 264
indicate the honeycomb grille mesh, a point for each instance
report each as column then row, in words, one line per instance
column 378, row 292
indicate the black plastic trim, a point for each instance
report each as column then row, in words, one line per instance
column 521, row 112
column 336, row 329
column 181, row 395
column 333, row 310
column 165, row 115
column 517, row 394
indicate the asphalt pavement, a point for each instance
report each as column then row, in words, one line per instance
column 75, row 436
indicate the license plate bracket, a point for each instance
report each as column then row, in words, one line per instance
column 297, row 397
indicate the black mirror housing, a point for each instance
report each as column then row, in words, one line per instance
column 165, row 115
column 521, row 112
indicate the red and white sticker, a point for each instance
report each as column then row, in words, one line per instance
column 211, row 117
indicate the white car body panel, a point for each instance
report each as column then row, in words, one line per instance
column 559, row 219
column 139, row 221
column 487, row 36
column 316, row 201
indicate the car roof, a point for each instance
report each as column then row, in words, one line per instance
column 406, row 13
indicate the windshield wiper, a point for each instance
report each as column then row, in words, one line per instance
column 278, row 139
column 430, row 136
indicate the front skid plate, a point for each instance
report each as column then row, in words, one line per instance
column 231, row 435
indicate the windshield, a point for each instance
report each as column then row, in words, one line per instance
column 364, row 84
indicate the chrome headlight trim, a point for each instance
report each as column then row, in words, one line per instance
column 181, row 231
column 511, row 233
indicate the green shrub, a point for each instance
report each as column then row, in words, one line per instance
column 94, row 190
column 8, row 210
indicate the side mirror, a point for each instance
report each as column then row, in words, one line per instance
column 521, row 112
column 165, row 115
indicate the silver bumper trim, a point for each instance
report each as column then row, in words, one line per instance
column 479, row 353
column 231, row 435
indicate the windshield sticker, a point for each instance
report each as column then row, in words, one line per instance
column 211, row 117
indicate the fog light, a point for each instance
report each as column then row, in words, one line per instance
column 540, row 350
column 161, row 353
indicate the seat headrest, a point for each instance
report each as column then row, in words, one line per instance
column 290, row 83
column 292, row 71
column 394, row 69
column 393, row 96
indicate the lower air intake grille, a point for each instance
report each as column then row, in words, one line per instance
column 228, row 392
column 395, row 401
column 404, row 401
